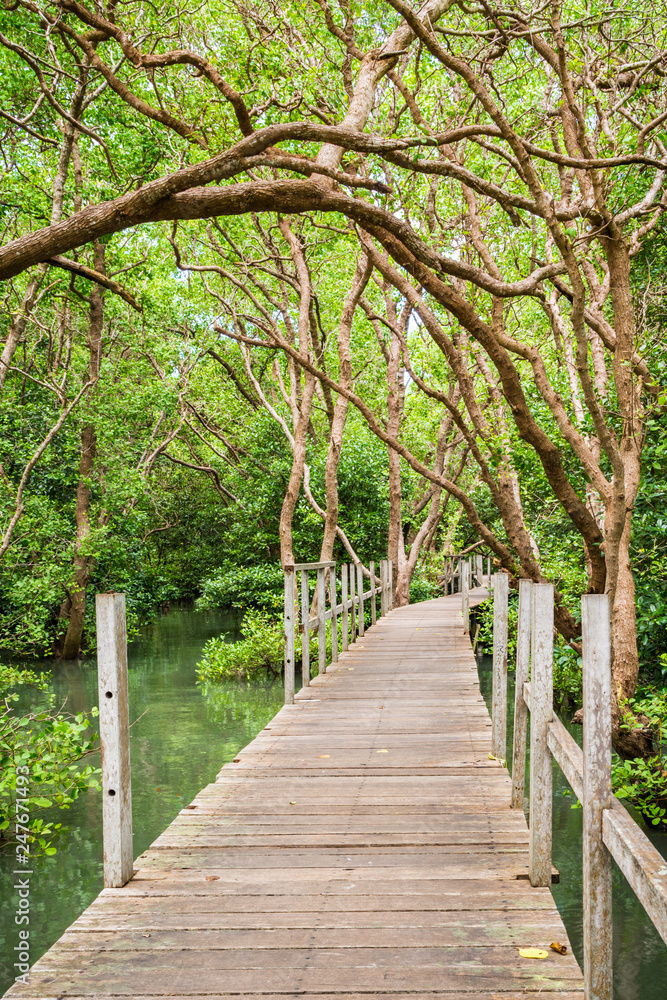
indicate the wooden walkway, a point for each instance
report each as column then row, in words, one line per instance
column 361, row 846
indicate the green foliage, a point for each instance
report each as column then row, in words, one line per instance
column 248, row 586
column 567, row 664
column 568, row 691
column 643, row 781
column 40, row 755
column 260, row 651
column 11, row 677
column 484, row 617
column 423, row 589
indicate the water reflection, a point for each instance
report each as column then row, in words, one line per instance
column 640, row 955
column 180, row 739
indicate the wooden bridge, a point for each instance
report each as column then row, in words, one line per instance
column 362, row 845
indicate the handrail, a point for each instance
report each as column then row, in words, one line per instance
column 351, row 610
column 454, row 570
column 609, row 829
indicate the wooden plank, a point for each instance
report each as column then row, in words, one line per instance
column 596, row 670
column 360, row 592
column 641, row 863
column 499, row 695
column 333, row 601
column 541, row 716
column 288, row 613
column 557, row 994
column 521, row 677
column 114, row 738
column 321, row 624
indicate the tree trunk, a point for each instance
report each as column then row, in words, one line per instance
column 74, row 606
column 360, row 280
column 296, row 474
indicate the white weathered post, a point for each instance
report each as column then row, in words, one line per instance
column 499, row 696
column 373, row 593
column 333, row 601
column 520, row 708
column 541, row 714
column 289, row 635
column 479, row 562
column 488, row 570
column 383, row 587
column 390, row 585
column 321, row 623
column 343, row 597
column 596, row 667
column 353, row 606
column 305, row 629
column 114, row 739
column 465, row 595
column 360, row 592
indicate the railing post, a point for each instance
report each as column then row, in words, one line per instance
column 488, row 570
column 390, row 585
column 353, row 605
column 596, row 668
column 360, row 593
column 289, row 635
column 520, row 708
column 383, row 587
column 115, row 739
column 499, row 696
column 541, row 714
column 321, row 624
column 343, row 597
column 333, row 601
column 373, row 607
column 465, row 595
column 305, row 629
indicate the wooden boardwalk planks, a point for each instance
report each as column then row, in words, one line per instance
column 362, row 845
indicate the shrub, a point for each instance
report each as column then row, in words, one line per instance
column 423, row 589
column 484, row 617
column 568, row 691
column 11, row 677
column 260, row 651
column 40, row 756
column 246, row 586
column 643, row 781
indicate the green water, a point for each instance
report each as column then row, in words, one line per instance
column 177, row 747
column 640, row 956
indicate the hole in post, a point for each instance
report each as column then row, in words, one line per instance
column 111, row 791
column 109, row 694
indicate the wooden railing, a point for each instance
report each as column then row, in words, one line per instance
column 609, row 830
column 461, row 574
column 351, row 611
column 455, row 569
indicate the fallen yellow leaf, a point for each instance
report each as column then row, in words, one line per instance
column 324, row 755
column 382, row 751
column 560, row 948
column 533, row 953
column 292, row 803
